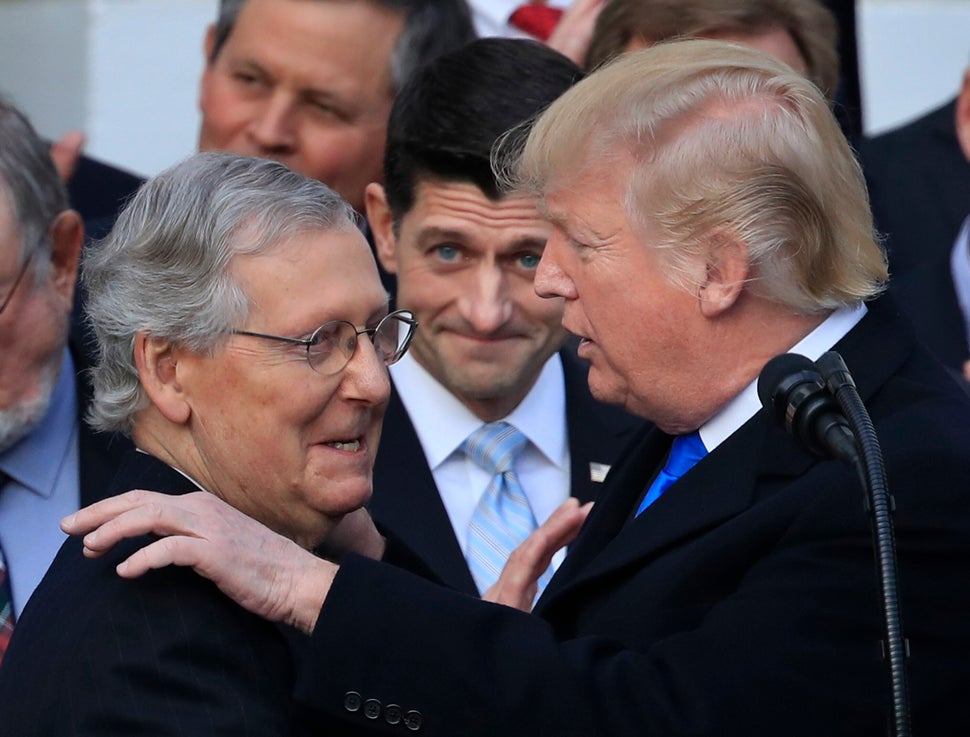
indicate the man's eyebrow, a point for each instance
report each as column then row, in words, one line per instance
column 434, row 232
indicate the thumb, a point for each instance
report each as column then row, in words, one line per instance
column 66, row 152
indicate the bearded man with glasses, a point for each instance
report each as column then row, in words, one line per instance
column 50, row 462
column 243, row 338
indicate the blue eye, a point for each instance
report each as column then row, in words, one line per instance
column 529, row 260
column 446, row 253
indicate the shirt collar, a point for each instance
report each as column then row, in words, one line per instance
column 442, row 422
column 35, row 461
column 746, row 404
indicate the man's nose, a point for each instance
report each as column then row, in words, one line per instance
column 550, row 279
column 365, row 377
column 273, row 128
column 486, row 304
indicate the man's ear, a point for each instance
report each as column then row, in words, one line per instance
column 963, row 115
column 157, row 363
column 381, row 226
column 726, row 269
column 208, row 46
column 209, row 43
column 67, row 235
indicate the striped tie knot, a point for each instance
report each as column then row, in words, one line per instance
column 503, row 518
column 495, row 447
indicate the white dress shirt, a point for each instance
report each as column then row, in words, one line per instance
column 44, row 486
column 442, row 423
column 744, row 406
column 491, row 17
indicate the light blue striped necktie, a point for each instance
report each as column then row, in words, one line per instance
column 685, row 452
column 503, row 518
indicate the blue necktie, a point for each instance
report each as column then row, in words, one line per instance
column 503, row 518
column 686, row 451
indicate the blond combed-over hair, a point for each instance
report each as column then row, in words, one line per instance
column 719, row 140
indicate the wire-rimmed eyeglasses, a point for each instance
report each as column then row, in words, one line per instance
column 331, row 346
column 16, row 282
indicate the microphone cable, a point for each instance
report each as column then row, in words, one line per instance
column 879, row 502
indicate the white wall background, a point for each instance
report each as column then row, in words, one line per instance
column 126, row 71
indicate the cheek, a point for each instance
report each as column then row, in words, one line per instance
column 546, row 314
column 426, row 293
column 224, row 113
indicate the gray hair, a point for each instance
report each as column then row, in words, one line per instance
column 431, row 28
column 31, row 186
column 165, row 267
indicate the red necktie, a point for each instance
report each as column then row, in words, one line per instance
column 6, row 600
column 536, row 19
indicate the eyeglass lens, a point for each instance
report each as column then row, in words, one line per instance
column 334, row 343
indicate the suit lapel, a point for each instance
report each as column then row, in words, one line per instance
column 596, row 432
column 722, row 485
column 406, row 502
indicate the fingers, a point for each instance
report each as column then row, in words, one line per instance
column 518, row 583
column 135, row 513
column 179, row 551
column 93, row 516
column 66, row 152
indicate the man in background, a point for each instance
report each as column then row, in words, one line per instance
column 919, row 183
column 50, row 462
column 802, row 33
column 310, row 83
column 306, row 82
column 489, row 353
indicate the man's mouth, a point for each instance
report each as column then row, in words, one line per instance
column 350, row 446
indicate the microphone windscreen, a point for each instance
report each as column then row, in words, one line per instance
column 779, row 374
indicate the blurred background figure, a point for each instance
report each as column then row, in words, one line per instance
column 564, row 26
column 919, row 184
column 805, row 34
column 50, row 461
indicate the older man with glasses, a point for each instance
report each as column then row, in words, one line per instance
column 243, row 337
column 50, row 463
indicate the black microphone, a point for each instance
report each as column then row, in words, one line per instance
column 793, row 393
column 827, row 417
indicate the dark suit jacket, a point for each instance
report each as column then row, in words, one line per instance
column 927, row 296
column 743, row 602
column 99, row 454
column 406, row 503
column 919, row 184
column 165, row 654
column 98, row 191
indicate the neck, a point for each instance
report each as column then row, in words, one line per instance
column 736, row 351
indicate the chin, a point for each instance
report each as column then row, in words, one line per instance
column 605, row 391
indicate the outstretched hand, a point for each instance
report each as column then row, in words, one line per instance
column 266, row 573
column 518, row 583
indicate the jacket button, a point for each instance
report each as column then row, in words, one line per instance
column 392, row 714
column 352, row 701
column 372, row 708
column 413, row 720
